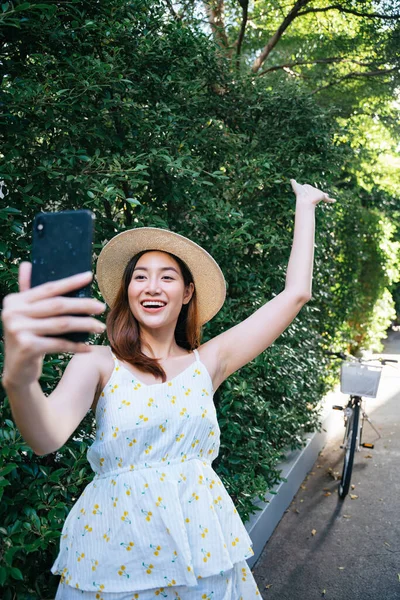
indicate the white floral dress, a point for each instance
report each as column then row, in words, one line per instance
column 156, row 520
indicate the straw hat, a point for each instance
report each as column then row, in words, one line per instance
column 207, row 276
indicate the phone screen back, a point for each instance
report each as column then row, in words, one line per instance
column 62, row 245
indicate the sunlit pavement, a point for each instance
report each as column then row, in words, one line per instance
column 324, row 547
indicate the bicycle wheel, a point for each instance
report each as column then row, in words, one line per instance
column 350, row 448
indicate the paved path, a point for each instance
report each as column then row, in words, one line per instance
column 344, row 550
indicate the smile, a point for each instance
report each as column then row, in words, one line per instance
column 153, row 306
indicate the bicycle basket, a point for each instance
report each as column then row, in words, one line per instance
column 360, row 379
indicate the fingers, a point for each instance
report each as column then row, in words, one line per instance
column 24, row 276
column 65, row 324
column 295, row 185
column 311, row 191
column 61, row 305
column 58, row 287
column 327, row 198
column 59, row 346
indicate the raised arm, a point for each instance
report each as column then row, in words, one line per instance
column 242, row 343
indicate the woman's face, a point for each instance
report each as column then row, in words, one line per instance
column 157, row 290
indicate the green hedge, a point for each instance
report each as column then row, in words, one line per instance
column 119, row 109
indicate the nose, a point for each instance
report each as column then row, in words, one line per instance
column 153, row 285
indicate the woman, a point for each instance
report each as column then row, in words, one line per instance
column 156, row 520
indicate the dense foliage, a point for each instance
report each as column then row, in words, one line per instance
column 121, row 109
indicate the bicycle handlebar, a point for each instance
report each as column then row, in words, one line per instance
column 341, row 355
column 345, row 356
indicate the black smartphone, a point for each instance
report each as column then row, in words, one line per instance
column 62, row 246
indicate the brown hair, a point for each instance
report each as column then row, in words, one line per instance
column 123, row 329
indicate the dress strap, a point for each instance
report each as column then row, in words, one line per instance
column 114, row 357
column 196, row 354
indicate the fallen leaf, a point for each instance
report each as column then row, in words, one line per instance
column 341, row 568
column 268, row 586
column 323, row 592
column 312, row 473
column 303, row 487
column 398, row 575
column 347, row 516
column 368, row 456
column 302, row 500
column 327, row 494
column 353, row 496
column 313, row 532
column 325, row 489
column 386, row 544
column 353, row 487
column 297, row 511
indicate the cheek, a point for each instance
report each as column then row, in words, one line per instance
column 133, row 294
column 133, row 288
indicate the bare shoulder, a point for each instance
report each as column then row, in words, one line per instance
column 102, row 358
column 209, row 356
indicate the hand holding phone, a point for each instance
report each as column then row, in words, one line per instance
column 32, row 315
column 61, row 247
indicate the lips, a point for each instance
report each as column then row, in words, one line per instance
column 153, row 306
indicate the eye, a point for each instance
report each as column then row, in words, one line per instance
column 167, row 277
column 138, row 276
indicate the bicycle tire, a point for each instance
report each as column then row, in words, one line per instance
column 344, row 484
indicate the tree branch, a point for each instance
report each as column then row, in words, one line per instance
column 348, row 10
column 172, row 11
column 353, row 76
column 215, row 12
column 245, row 13
column 333, row 59
column 278, row 34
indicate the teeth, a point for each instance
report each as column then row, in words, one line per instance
column 153, row 303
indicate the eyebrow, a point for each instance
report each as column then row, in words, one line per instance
column 162, row 269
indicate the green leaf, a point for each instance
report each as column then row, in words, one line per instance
column 7, row 469
column 22, row 6
column 16, row 573
column 10, row 210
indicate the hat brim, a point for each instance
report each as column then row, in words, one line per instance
column 207, row 276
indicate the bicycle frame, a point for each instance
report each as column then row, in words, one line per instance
column 358, row 383
column 352, row 440
column 347, row 412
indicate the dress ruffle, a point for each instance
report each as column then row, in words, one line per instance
column 166, row 525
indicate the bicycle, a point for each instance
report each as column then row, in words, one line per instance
column 358, row 379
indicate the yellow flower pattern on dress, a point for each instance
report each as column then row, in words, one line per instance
column 123, row 404
column 154, row 494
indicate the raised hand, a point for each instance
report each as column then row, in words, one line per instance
column 309, row 194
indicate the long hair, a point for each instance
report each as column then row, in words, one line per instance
column 123, row 329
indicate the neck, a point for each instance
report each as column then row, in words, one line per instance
column 159, row 344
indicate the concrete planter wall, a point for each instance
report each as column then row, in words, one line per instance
column 294, row 469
